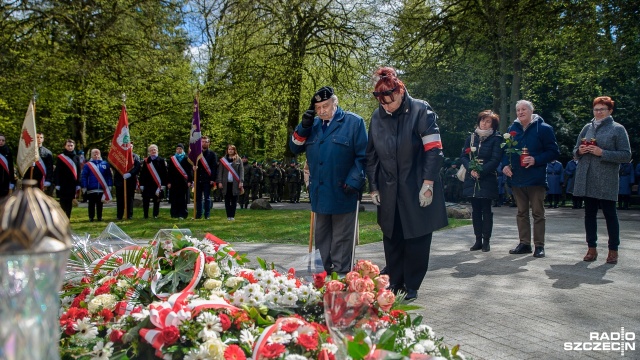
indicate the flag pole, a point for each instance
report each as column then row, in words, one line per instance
column 195, row 173
column 36, row 134
column 125, row 214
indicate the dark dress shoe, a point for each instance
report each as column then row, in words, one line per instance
column 384, row 271
column 485, row 246
column 521, row 249
column 411, row 295
column 539, row 253
column 476, row 246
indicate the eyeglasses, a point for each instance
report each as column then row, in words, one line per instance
column 600, row 109
column 384, row 93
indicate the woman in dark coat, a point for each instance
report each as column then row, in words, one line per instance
column 180, row 177
column 153, row 181
column 482, row 186
column 404, row 156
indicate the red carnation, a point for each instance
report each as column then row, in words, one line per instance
column 291, row 273
column 104, row 289
column 116, row 336
column 512, row 133
column 272, row 351
column 225, row 322
column 234, row 352
column 69, row 329
column 106, row 314
column 85, row 292
column 170, row 335
column 309, row 342
column 76, row 302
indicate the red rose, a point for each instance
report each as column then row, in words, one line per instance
column 513, row 133
column 234, row 352
column 116, row 336
column 225, row 322
column 319, row 279
column 309, row 342
column 170, row 335
column 106, row 314
column 467, row 150
column 291, row 273
column 272, row 351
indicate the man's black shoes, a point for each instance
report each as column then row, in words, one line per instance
column 539, row 253
column 521, row 249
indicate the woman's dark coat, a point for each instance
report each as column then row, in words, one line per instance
column 490, row 152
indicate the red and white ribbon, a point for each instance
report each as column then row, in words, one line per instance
column 154, row 174
column 179, row 167
column 231, row 170
column 106, row 193
column 4, row 163
column 70, row 164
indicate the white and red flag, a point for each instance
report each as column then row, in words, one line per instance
column 121, row 153
column 28, row 146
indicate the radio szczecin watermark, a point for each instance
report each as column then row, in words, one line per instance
column 606, row 341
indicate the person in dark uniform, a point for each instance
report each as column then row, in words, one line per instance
column 207, row 172
column 404, row 156
column 452, row 183
column 132, row 181
column 263, row 181
column 66, row 176
column 42, row 170
column 244, row 197
column 569, row 179
column 274, row 181
column 256, row 180
column 626, row 180
column 153, row 181
column 292, row 181
column 282, row 181
column 7, row 177
column 179, row 180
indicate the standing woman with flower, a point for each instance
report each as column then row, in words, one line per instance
column 230, row 175
column 404, row 156
column 481, row 156
column 602, row 146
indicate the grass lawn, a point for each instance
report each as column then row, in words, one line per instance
column 275, row 226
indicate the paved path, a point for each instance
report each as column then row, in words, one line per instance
column 501, row 306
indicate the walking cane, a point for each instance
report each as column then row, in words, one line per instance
column 355, row 234
column 311, row 236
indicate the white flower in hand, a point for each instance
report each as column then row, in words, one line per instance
column 506, row 135
column 473, row 148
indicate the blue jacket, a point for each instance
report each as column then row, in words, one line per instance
column 627, row 178
column 540, row 140
column 336, row 157
column 570, row 174
column 555, row 177
column 89, row 181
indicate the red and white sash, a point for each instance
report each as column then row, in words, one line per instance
column 4, row 163
column 179, row 167
column 233, row 173
column 43, row 171
column 154, row 174
column 70, row 164
column 106, row 194
column 205, row 164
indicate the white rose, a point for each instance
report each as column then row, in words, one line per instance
column 212, row 284
column 212, row 269
column 506, row 135
column 104, row 301
column 233, row 281
column 473, row 148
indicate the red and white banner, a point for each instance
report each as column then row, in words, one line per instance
column 121, row 153
column 28, row 145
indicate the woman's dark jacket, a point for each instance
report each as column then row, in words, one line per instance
column 490, row 152
column 397, row 164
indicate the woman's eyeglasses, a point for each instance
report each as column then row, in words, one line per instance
column 600, row 109
column 384, row 93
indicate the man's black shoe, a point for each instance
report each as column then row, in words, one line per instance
column 539, row 253
column 521, row 249
column 411, row 294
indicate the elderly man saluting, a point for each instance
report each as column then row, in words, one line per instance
column 335, row 142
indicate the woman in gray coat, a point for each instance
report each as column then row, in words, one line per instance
column 404, row 156
column 602, row 146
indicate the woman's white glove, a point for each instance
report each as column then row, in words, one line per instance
column 424, row 199
column 375, row 197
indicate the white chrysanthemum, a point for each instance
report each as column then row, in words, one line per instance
column 294, row 357
column 200, row 353
column 267, row 279
column 260, row 273
column 288, row 299
column 271, row 297
column 247, row 337
column 210, row 321
column 409, row 335
column 85, row 330
column 255, row 299
column 281, row 280
column 103, row 301
column 427, row 346
column 239, row 298
column 279, row 337
column 332, row 348
column 253, row 288
column 273, row 288
column 102, row 351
